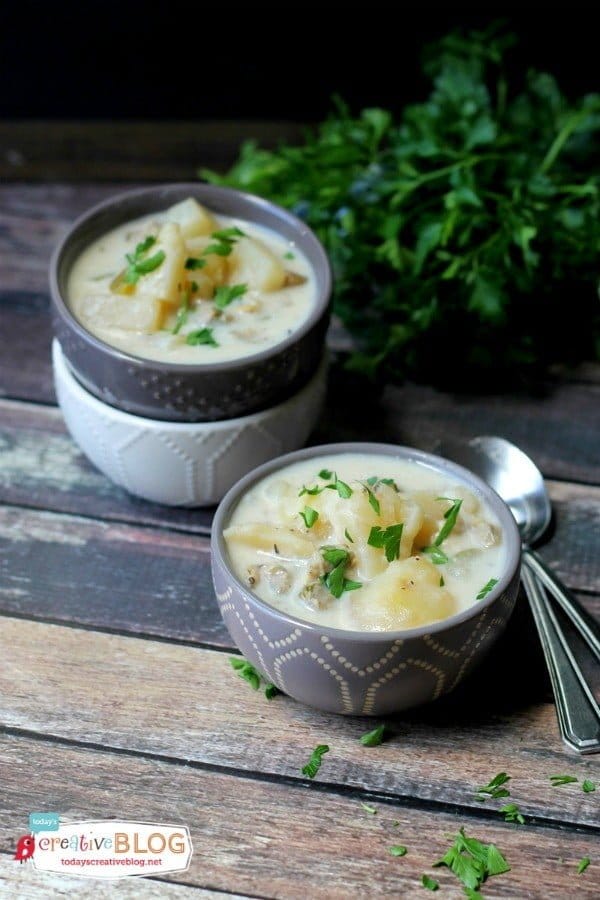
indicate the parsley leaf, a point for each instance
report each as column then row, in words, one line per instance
column 583, row 864
column 314, row 763
column 373, row 738
column 223, row 241
column 348, row 536
column 271, row 691
column 559, row 780
column 289, row 255
column 398, row 850
column 512, row 813
column 494, row 788
column 201, row 336
column 194, row 263
column 437, row 555
column 451, row 515
column 343, row 489
column 137, row 262
column 388, row 538
column 369, row 809
column 335, row 580
column 588, row 786
column 309, row 515
column 473, row 861
column 373, row 501
column 246, row 671
column 487, row 588
column 227, row 293
column 182, row 312
column 429, row 883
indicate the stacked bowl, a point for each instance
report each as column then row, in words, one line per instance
column 181, row 433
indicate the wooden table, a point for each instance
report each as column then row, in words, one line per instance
column 116, row 693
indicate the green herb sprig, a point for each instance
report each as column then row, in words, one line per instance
column 474, row 211
column 139, row 264
column 473, row 861
column 247, row 671
column 314, row 763
column 373, row 738
column 335, row 580
column 494, row 788
column 387, row 538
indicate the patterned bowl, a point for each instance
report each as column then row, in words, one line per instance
column 182, row 464
column 353, row 672
column 185, row 393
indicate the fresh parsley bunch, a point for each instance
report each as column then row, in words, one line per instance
column 464, row 235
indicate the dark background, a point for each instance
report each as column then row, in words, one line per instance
column 282, row 61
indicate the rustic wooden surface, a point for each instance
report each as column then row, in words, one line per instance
column 116, row 694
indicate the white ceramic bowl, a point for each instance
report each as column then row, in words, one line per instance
column 180, row 463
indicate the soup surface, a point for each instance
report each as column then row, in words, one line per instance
column 187, row 286
column 365, row 543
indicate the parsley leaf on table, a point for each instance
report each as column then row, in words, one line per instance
column 494, row 788
column 314, row 763
column 373, row 738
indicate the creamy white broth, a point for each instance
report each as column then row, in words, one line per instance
column 274, row 552
column 141, row 323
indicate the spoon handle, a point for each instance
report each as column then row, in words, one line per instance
column 577, row 711
column 585, row 624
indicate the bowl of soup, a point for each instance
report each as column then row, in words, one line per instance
column 190, row 302
column 364, row 579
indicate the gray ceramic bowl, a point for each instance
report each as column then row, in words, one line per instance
column 184, row 393
column 353, row 672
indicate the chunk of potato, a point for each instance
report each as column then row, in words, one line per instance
column 130, row 313
column 269, row 539
column 406, row 595
column 166, row 281
column 192, row 218
column 215, row 267
column 252, row 263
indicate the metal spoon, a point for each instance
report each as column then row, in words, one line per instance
column 519, row 482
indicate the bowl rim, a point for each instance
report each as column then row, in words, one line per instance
column 64, row 372
column 405, row 453
column 321, row 260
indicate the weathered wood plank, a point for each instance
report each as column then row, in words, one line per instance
column 138, row 579
column 41, row 467
column 23, row 881
column 188, row 703
column 124, row 150
column 278, row 840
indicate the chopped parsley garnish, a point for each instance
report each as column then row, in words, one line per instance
column 193, row 263
column 451, row 515
column 387, row 538
column 490, row 585
column 588, row 786
column 583, row 864
column 246, row 671
column 335, row 580
column 348, row 536
column 314, row 763
column 437, row 555
column 512, row 813
column 442, row 582
column 373, row 738
column 182, row 312
column 227, row 293
column 558, row 780
column 494, row 788
column 369, row 809
column 398, row 850
column 289, row 255
column 343, row 489
column 429, row 883
column 472, row 861
column 201, row 336
column 137, row 262
column 373, row 481
column 373, row 501
column 309, row 515
column 223, row 241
